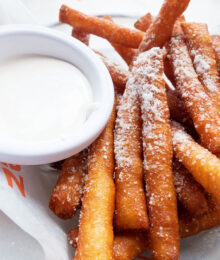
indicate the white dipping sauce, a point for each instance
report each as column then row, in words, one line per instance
column 41, row 98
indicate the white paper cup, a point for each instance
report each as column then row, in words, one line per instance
column 31, row 39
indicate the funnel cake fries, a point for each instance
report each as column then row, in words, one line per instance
column 203, row 165
column 66, row 196
column 144, row 22
column 198, row 104
column 161, row 29
column 199, row 43
column 157, row 148
column 216, row 46
column 189, row 192
column 131, row 211
column 96, row 218
column 100, row 27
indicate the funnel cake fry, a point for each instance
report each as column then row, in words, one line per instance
column 161, row 29
column 96, row 219
column 190, row 226
column 127, row 244
column 100, row 27
column 189, row 192
column 157, row 148
column 81, row 36
column 202, row 164
column 199, row 44
column 144, row 22
column 66, row 196
column 198, row 104
column 118, row 74
column 126, row 53
column 131, row 211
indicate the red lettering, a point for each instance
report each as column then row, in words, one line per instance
column 10, row 177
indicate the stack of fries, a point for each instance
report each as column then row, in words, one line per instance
column 162, row 143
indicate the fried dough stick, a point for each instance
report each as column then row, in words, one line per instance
column 177, row 109
column 66, row 196
column 100, row 27
column 144, row 22
column 192, row 226
column 203, row 165
column 216, row 47
column 161, row 29
column 96, row 218
column 198, row 104
column 131, row 211
column 157, row 149
column 81, row 36
column 199, row 44
column 119, row 75
column 130, row 244
column 189, row 192
column 126, row 53
column 127, row 244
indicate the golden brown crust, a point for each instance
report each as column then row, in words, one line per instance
column 157, row 149
column 81, row 36
column 131, row 211
column 189, row 192
column 127, row 244
column 96, row 219
column 199, row 44
column 100, row 27
column 161, row 29
column 202, row 164
column 144, row 22
column 198, row 104
column 119, row 75
column 66, row 196
column 190, row 226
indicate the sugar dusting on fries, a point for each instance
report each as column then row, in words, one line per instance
column 145, row 140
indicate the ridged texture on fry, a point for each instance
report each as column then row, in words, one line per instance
column 96, row 219
column 81, row 36
column 198, row 104
column 203, row 165
column 157, row 148
column 144, row 22
column 199, row 44
column 161, row 29
column 100, row 27
column 216, row 47
column 191, row 226
column 189, row 192
column 131, row 211
column 119, row 75
column 66, row 196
